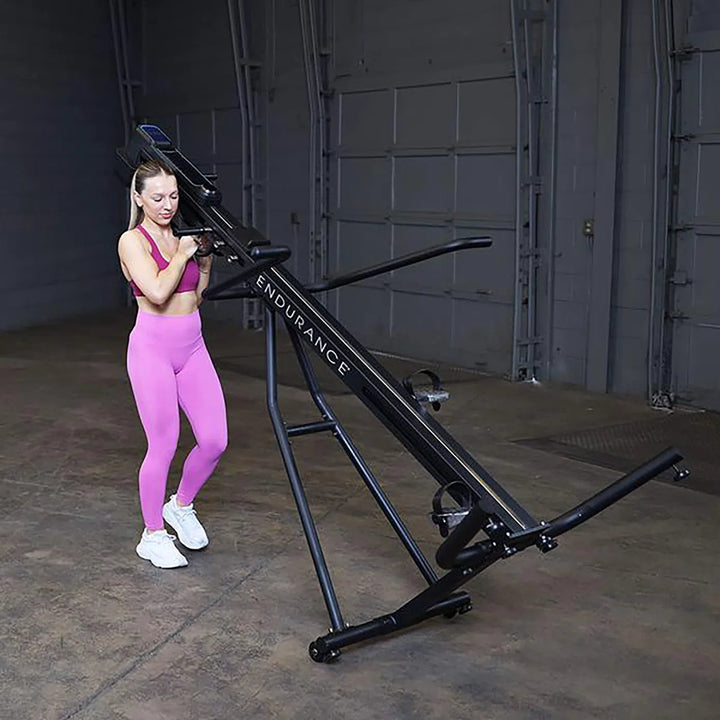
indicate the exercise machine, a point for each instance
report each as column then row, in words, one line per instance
column 468, row 502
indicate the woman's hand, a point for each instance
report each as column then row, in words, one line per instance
column 204, row 257
column 187, row 246
column 204, row 262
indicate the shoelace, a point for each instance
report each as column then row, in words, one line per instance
column 162, row 537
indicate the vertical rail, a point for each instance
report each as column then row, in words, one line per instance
column 312, row 139
column 306, row 519
column 315, row 80
column 319, row 32
column 250, row 112
column 533, row 99
column 252, row 316
column 551, row 194
column 122, row 23
column 673, row 113
column 653, row 359
column 530, row 88
column 239, row 84
column 119, row 66
column 519, row 151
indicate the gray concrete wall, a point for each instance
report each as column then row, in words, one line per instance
column 62, row 205
column 287, row 117
column 376, row 43
column 583, row 114
column 613, row 358
column 59, row 128
column 578, row 47
column 601, row 293
column 631, row 292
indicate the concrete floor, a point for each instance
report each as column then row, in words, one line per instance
column 621, row 621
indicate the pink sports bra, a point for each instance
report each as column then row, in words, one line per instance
column 189, row 279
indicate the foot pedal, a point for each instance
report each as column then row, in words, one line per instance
column 433, row 395
column 446, row 518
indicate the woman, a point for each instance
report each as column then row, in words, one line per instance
column 168, row 364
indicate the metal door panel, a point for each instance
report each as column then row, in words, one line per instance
column 476, row 125
column 196, row 136
column 485, row 186
column 362, row 244
column 435, row 104
column 228, row 138
column 487, row 273
column 366, row 311
column 709, row 117
column 432, row 277
column 707, row 208
column 230, row 182
column 482, row 333
column 421, row 325
column 364, row 184
column 365, row 119
column 695, row 306
column 704, row 351
column 423, row 184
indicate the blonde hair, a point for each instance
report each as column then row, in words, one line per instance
column 145, row 171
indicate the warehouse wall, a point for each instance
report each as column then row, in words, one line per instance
column 605, row 85
column 423, row 143
column 423, row 153
column 59, row 128
column 190, row 89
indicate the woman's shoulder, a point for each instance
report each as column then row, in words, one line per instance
column 133, row 238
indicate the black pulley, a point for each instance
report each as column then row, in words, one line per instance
column 446, row 518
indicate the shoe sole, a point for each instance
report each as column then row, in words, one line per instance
column 162, row 567
column 168, row 520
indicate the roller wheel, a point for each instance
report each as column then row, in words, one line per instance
column 320, row 654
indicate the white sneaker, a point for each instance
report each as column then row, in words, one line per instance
column 159, row 548
column 184, row 522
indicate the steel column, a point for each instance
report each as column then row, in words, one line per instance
column 659, row 393
column 529, row 29
column 603, row 242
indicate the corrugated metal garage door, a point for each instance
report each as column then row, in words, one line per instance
column 696, row 307
column 416, row 164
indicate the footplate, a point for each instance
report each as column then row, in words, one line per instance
column 433, row 395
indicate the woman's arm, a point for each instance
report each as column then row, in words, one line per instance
column 204, row 265
column 156, row 285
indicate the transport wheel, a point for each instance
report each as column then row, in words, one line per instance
column 320, row 654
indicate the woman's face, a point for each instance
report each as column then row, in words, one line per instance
column 159, row 198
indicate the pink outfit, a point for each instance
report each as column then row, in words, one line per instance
column 170, row 368
column 188, row 280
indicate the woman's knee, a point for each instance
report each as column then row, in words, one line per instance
column 162, row 448
column 213, row 445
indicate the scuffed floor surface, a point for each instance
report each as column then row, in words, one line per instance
column 621, row 622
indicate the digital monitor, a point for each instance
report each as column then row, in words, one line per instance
column 156, row 135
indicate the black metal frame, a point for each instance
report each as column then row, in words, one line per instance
column 508, row 527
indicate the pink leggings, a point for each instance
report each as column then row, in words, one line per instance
column 169, row 367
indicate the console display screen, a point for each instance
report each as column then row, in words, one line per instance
column 156, row 135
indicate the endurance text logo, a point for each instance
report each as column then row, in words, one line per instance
column 310, row 333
